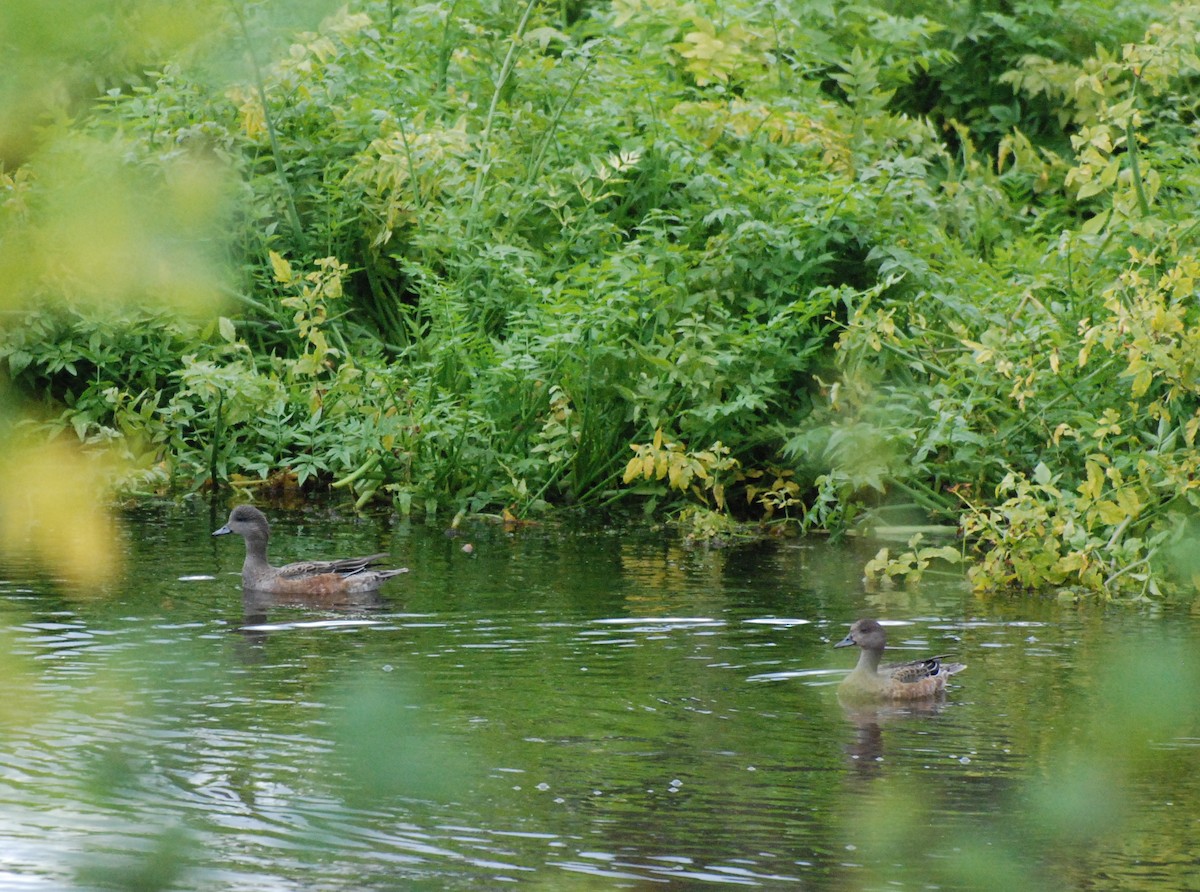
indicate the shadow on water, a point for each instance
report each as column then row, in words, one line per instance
column 575, row 708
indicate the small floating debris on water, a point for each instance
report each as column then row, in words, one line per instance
column 198, row 578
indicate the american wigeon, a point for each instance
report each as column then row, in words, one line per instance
column 347, row 576
column 870, row 680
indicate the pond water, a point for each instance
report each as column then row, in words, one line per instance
column 578, row 708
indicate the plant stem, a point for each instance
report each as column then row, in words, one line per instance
column 216, row 439
column 276, row 152
column 1134, row 168
column 536, row 167
column 1132, row 149
column 443, row 58
column 485, row 137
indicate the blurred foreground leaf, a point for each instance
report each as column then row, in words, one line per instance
column 53, row 511
column 99, row 220
column 388, row 749
column 85, row 224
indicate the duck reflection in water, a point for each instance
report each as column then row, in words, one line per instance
column 257, row 604
column 866, row 750
column 257, row 607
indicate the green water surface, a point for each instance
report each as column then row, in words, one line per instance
column 565, row 707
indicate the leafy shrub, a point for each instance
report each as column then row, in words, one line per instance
column 935, row 259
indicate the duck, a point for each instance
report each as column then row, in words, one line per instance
column 348, row 576
column 872, row 680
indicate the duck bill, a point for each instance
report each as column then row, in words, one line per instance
column 845, row 642
column 224, row 531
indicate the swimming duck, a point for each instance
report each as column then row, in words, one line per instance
column 347, row 576
column 870, row 680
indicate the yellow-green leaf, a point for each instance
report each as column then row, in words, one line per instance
column 659, row 463
column 1130, row 502
column 1095, row 481
column 633, row 470
column 283, row 269
column 1110, row 512
column 1141, row 380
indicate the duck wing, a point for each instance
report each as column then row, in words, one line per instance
column 343, row 567
column 918, row 670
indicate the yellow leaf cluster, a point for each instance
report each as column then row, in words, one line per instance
column 252, row 117
column 683, row 470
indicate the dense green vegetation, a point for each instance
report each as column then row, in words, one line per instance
column 816, row 264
